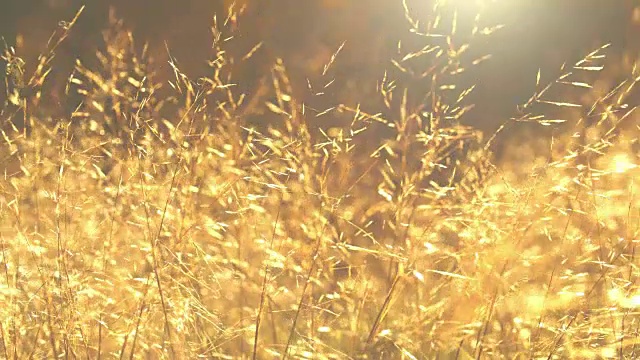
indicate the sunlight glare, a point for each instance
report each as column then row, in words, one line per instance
column 621, row 163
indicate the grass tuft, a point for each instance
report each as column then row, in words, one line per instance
column 190, row 219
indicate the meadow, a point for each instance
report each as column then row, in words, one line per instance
column 188, row 218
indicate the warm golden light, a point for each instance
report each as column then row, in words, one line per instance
column 621, row 163
column 318, row 182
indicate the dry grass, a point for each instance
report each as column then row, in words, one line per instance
column 155, row 220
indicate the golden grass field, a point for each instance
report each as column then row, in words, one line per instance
column 182, row 219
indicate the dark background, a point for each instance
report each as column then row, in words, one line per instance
column 538, row 34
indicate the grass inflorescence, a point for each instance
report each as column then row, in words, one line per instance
column 188, row 219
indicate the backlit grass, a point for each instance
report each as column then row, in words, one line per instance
column 183, row 219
